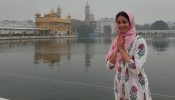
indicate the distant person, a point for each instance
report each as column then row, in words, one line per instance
column 128, row 54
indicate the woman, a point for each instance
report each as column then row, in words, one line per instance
column 128, row 55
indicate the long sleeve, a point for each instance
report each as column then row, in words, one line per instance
column 108, row 64
column 140, row 56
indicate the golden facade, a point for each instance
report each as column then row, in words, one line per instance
column 53, row 21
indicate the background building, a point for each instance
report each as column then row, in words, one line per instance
column 106, row 26
column 17, row 24
column 89, row 17
column 53, row 21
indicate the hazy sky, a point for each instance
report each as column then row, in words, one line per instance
column 145, row 11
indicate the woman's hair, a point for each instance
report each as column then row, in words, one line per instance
column 124, row 14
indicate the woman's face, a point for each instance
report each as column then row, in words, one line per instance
column 123, row 24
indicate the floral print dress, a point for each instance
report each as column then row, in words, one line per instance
column 130, row 82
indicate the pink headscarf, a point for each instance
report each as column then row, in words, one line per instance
column 129, row 38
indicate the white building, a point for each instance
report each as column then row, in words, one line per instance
column 171, row 25
column 17, row 24
column 106, row 26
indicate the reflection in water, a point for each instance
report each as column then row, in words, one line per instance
column 7, row 46
column 87, row 56
column 50, row 51
column 173, row 42
column 107, row 39
column 107, row 29
column 86, row 53
column 160, row 44
column 88, row 43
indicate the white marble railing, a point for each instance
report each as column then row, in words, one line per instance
column 156, row 31
column 150, row 33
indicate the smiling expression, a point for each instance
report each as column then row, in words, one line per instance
column 123, row 24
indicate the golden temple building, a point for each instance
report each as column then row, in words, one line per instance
column 53, row 21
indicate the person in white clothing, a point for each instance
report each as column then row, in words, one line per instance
column 127, row 55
